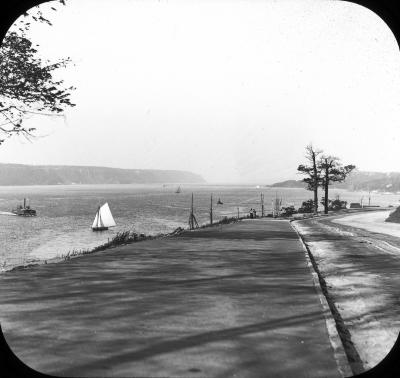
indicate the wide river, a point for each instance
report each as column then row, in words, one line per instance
column 66, row 213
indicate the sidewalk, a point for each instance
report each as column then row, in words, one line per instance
column 236, row 300
column 359, row 258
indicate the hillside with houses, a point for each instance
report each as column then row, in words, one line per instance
column 357, row 180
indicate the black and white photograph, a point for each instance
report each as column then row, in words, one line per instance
column 199, row 188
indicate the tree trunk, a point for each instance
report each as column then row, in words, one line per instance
column 326, row 193
column 316, row 199
column 315, row 184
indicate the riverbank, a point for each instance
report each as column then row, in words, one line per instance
column 65, row 213
column 358, row 258
column 236, row 299
column 120, row 239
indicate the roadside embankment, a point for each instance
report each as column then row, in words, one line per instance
column 121, row 238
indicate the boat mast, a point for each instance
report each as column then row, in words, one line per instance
column 99, row 221
column 192, row 219
column 262, row 206
column 211, row 211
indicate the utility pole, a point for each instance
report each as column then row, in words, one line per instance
column 211, row 211
column 192, row 219
column 238, row 212
column 262, row 206
column 276, row 206
column 369, row 198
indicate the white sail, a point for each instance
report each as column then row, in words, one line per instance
column 97, row 220
column 106, row 216
column 103, row 217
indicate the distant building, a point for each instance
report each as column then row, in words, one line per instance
column 355, row 205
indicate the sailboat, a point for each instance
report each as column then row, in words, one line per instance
column 178, row 190
column 103, row 219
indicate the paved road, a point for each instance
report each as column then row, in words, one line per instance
column 219, row 302
column 362, row 269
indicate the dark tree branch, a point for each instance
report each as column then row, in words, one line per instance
column 27, row 85
column 332, row 171
column 313, row 172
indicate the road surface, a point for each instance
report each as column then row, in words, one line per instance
column 233, row 300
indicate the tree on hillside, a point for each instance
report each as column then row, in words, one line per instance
column 313, row 172
column 27, row 83
column 332, row 171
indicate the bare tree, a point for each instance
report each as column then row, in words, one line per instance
column 312, row 171
column 332, row 171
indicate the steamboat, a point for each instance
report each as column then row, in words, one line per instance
column 24, row 210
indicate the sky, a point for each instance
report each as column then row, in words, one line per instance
column 231, row 90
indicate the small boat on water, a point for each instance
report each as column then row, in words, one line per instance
column 24, row 210
column 219, row 202
column 178, row 190
column 103, row 219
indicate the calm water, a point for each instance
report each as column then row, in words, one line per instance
column 65, row 213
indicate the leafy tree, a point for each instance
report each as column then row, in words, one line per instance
column 307, row 207
column 313, row 172
column 332, row 171
column 288, row 211
column 335, row 205
column 27, row 83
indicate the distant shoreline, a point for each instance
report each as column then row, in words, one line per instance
column 373, row 182
column 159, row 184
column 22, row 174
column 168, row 184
